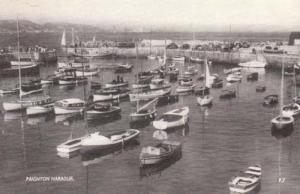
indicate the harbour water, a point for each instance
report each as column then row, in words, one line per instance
column 219, row 142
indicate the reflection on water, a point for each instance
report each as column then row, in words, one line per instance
column 68, row 119
column 103, row 121
column 279, row 134
column 98, row 155
column 39, row 119
column 11, row 116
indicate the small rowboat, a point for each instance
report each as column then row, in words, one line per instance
column 174, row 118
column 205, row 101
column 260, row 88
column 246, row 182
column 156, row 154
column 282, row 122
column 228, row 94
column 99, row 110
column 252, row 76
column 270, row 100
column 70, row 146
column 291, row 110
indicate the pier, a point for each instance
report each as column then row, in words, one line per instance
column 230, row 58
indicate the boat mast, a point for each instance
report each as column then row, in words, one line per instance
column 18, row 47
column 295, row 86
column 138, row 77
column 150, row 42
column 282, row 82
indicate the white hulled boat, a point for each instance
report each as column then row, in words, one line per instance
column 69, row 106
column 86, row 72
column 292, row 109
column 234, row 77
column 185, row 89
column 246, row 182
column 23, row 62
column 282, row 122
column 97, row 141
column 205, row 100
column 149, row 94
column 110, row 94
column 174, row 118
column 40, row 108
column 159, row 83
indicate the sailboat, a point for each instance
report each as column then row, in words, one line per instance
column 145, row 112
column 142, row 80
column 21, row 104
column 292, row 109
column 209, row 80
column 195, row 59
column 282, row 122
column 63, row 39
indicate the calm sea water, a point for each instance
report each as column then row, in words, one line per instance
column 219, row 142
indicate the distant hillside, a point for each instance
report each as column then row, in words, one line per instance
column 10, row 26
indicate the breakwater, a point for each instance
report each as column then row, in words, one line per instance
column 230, row 58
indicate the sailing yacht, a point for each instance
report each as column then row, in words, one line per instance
column 282, row 122
column 21, row 104
column 204, row 100
column 209, row 80
column 145, row 112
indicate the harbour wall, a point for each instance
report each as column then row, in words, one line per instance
column 230, row 58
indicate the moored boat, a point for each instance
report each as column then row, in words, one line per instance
column 145, row 112
column 86, row 72
column 185, row 89
column 247, row 181
column 205, row 100
column 228, row 93
column 156, row 154
column 174, row 118
column 282, row 122
column 148, row 95
column 18, row 105
column 38, row 109
column 96, row 141
column 260, row 88
column 100, row 110
column 117, row 83
column 110, row 94
column 70, row 146
column 69, row 106
column 291, row 110
column 178, row 58
column 270, row 100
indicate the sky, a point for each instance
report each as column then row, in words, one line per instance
column 193, row 15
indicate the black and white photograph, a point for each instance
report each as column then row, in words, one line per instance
column 150, row 97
